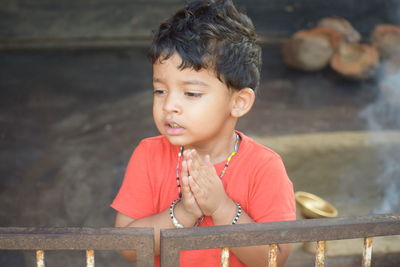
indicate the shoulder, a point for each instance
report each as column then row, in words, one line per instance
column 157, row 147
column 153, row 141
column 254, row 150
column 259, row 160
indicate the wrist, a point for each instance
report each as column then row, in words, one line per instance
column 225, row 213
column 185, row 218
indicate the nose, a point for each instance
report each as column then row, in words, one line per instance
column 171, row 103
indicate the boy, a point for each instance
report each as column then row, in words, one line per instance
column 206, row 68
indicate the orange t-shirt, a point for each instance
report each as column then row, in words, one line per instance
column 256, row 178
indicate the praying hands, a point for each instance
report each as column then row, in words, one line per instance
column 201, row 185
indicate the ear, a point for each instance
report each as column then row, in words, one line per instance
column 243, row 101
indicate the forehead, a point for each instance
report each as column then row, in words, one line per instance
column 170, row 70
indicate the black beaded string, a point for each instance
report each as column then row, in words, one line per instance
column 238, row 213
column 178, row 184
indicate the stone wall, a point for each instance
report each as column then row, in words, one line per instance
column 66, row 20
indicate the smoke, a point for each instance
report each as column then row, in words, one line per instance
column 382, row 116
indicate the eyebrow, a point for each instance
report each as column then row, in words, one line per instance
column 186, row 82
column 157, row 80
column 195, row 82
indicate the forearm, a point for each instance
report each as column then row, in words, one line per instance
column 252, row 256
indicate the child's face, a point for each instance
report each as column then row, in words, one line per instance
column 191, row 108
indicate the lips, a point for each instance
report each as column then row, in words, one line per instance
column 173, row 128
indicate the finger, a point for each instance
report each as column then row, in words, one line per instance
column 192, row 169
column 194, row 186
column 196, row 159
column 186, row 154
column 189, row 157
column 196, row 164
column 188, row 198
column 184, row 171
column 206, row 168
column 207, row 160
column 185, row 182
column 197, row 193
column 185, row 187
column 208, row 163
column 195, row 171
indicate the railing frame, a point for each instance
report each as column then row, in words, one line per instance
column 175, row 240
column 139, row 239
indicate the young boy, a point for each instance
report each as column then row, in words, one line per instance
column 206, row 68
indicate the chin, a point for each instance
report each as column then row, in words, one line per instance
column 175, row 140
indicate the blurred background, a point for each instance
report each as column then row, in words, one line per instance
column 75, row 99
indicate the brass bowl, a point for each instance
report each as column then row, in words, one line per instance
column 312, row 206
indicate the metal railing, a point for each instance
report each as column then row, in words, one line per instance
column 89, row 239
column 175, row 240
column 319, row 230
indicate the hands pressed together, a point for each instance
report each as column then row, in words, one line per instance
column 202, row 190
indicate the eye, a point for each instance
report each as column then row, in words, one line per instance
column 193, row 94
column 159, row 91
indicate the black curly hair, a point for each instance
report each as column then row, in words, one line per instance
column 212, row 34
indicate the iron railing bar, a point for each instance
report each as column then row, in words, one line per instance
column 40, row 258
column 74, row 238
column 320, row 254
column 282, row 232
column 139, row 239
column 175, row 240
column 367, row 252
column 225, row 254
column 77, row 230
column 89, row 258
column 169, row 256
column 272, row 255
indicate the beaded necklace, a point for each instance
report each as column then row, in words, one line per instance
column 234, row 152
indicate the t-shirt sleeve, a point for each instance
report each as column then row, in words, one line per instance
column 272, row 197
column 133, row 198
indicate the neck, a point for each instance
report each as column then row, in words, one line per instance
column 218, row 152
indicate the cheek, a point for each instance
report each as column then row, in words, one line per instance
column 157, row 118
column 209, row 113
column 157, row 105
column 215, row 108
column 156, row 111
